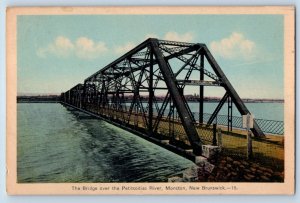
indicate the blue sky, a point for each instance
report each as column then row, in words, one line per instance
column 57, row 52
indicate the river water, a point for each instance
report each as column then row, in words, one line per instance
column 58, row 145
column 268, row 111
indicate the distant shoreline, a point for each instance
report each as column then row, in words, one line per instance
column 56, row 98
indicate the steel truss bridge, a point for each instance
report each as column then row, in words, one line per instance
column 142, row 91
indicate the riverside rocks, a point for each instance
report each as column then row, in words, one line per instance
column 175, row 179
column 191, row 174
column 228, row 169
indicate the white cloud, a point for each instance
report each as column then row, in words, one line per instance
column 235, row 46
column 83, row 47
column 124, row 48
column 88, row 49
column 61, row 46
column 174, row 36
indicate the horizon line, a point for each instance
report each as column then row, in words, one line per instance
column 212, row 97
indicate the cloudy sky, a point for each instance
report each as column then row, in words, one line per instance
column 57, row 52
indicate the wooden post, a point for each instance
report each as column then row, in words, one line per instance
column 220, row 137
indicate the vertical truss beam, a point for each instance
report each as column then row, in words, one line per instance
column 201, row 91
column 229, row 115
column 151, row 95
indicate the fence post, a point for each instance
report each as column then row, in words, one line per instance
column 249, row 139
column 214, row 135
column 220, row 137
column 249, row 146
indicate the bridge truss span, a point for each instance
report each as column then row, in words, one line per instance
column 145, row 89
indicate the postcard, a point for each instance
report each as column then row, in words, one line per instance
column 150, row 100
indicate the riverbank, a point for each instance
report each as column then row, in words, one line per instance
column 229, row 169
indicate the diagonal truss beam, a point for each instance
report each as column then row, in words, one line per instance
column 217, row 110
column 181, row 107
column 231, row 91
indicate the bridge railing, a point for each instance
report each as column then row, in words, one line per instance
column 267, row 126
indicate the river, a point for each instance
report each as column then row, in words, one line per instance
column 57, row 145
